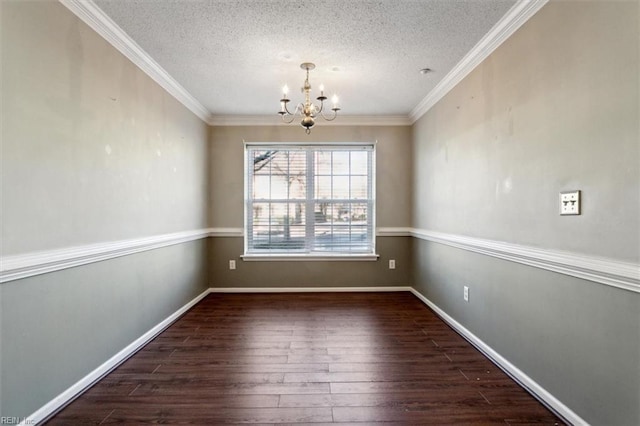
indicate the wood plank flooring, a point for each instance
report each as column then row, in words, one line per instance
column 321, row 358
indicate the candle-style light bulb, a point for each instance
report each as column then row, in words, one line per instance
column 285, row 90
column 321, row 89
column 334, row 99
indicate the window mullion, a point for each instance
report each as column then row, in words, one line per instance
column 350, row 200
column 310, row 204
column 371, row 197
column 249, row 199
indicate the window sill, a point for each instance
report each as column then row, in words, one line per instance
column 309, row 257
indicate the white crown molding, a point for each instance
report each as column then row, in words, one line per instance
column 514, row 372
column 343, row 120
column 502, row 30
column 81, row 385
column 15, row 267
column 95, row 18
column 614, row 273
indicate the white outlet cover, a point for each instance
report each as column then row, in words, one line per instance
column 570, row 203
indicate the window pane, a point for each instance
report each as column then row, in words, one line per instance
column 359, row 214
column 262, row 228
column 339, row 212
column 359, row 187
column 322, row 213
column 323, row 187
column 297, row 188
column 279, row 187
column 288, row 175
column 341, row 187
column 261, row 161
column 261, row 187
column 327, row 239
column 359, row 238
column 261, row 213
column 323, row 162
column 296, row 213
column 340, row 163
column 284, row 230
column 359, row 162
column 322, row 237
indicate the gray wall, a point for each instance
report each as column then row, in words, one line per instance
column 59, row 327
column 393, row 209
column 554, row 108
column 92, row 151
column 301, row 274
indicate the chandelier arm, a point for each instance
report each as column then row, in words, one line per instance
column 293, row 117
column 286, row 109
column 288, row 112
column 292, row 114
column 335, row 114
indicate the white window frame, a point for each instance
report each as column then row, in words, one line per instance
column 309, row 256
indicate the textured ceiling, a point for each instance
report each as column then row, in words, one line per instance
column 235, row 56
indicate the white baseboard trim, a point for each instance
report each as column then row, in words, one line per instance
column 308, row 289
column 611, row 272
column 81, row 385
column 514, row 372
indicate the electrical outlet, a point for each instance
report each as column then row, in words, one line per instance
column 569, row 203
column 465, row 293
column 392, row 264
column 232, row 264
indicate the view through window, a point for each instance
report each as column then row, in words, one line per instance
column 310, row 199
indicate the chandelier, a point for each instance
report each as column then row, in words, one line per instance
column 307, row 110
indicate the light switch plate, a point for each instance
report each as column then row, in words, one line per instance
column 570, row 203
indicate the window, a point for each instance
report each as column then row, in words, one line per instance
column 309, row 200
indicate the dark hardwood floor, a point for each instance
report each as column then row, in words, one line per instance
column 337, row 358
